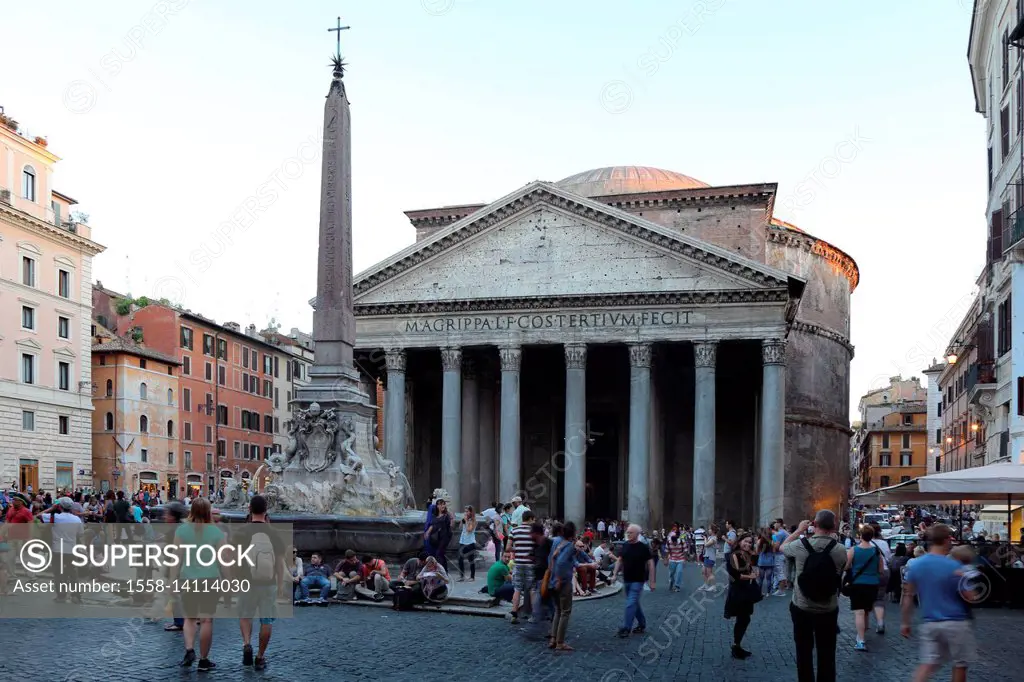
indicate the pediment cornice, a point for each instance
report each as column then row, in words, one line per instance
column 756, row 274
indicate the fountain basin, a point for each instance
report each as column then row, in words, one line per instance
column 393, row 538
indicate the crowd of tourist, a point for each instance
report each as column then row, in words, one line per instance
column 541, row 566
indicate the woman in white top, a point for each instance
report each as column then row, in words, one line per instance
column 710, row 554
column 467, row 545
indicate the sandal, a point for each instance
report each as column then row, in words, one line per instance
column 551, row 642
column 564, row 647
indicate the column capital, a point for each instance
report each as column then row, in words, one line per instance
column 705, row 353
column 394, row 359
column 639, row 355
column 575, row 356
column 773, row 352
column 511, row 357
column 451, row 359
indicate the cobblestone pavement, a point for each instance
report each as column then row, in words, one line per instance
column 684, row 642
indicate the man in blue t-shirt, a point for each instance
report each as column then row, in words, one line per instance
column 946, row 632
column 780, row 571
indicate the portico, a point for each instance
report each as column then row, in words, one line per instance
column 596, row 361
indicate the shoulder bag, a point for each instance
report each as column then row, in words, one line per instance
column 849, row 579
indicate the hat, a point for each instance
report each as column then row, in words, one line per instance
column 517, row 499
column 21, row 496
column 66, row 503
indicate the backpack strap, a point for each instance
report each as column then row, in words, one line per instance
column 811, row 550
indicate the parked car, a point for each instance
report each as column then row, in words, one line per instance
column 888, row 529
column 905, row 538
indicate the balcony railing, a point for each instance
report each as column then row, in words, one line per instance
column 981, row 373
column 1013, row 229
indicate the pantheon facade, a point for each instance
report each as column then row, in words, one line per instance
column 628, row 341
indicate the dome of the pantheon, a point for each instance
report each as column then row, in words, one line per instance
column 627, row 180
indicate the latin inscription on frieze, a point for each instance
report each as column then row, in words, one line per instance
column 600, row 320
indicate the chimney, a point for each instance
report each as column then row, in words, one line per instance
column 233, row 326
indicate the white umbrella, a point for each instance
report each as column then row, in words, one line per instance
column 999, row 479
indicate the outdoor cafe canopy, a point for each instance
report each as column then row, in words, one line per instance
column 992, row 483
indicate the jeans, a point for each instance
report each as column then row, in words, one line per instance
column 504, row 593
column 815, row 631
column 562, row 597
column 314, row 581
column 779, row 571
column 468, row 552
column 766, row 578
column 675, row 574
column 633, row 609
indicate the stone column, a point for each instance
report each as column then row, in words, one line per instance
column 772, row 461
column 639, row 433
column 574, row 460
column 470, row 437
column 394, row 409
column 704, row 433
column 451, row 423
column 486, row 412
column 509, row 456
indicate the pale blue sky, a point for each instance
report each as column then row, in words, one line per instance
column 459, row 101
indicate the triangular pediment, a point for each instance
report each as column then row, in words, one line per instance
column 29, row 344
column 543, row 241
column 64, row 352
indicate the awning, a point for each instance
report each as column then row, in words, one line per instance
column 910, row 492
column 245, row 474
column 1001, row 480
column 194, row 478
column 226, row 474
column 148, row 477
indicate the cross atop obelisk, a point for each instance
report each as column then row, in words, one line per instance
column 338, row 29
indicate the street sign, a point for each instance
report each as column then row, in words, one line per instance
column 115, row 473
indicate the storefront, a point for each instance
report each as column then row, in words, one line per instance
column 193, row 485
column 148, row 482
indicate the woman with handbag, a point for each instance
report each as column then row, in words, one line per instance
column 864, row 566
column 744, row 591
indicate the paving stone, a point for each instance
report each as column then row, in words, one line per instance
column 340, row 643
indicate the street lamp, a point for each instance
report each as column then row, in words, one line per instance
column 951, row 358
column 974, row 427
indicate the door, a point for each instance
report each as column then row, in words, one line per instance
column 29, row 475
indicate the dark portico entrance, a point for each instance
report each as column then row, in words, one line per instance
column 603, row 463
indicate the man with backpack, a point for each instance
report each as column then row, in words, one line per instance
column 268, row 557
column 819, row 559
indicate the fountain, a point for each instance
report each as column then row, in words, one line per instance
column 331, row 483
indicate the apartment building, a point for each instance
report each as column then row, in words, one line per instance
column 46, row 254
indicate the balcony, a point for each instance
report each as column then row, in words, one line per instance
column 981, row 383
column 1013, row 230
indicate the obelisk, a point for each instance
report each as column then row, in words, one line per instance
column 333, row 377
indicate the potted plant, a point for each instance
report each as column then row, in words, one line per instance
column 9, row 122
column 41, row 141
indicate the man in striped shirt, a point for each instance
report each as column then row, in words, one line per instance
column 521, row 544
column 699, row 537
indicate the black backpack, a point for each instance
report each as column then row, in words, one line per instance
column 819, row 581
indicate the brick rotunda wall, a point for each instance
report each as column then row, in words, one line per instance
column 817, row 373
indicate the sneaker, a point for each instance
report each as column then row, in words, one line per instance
column 494, row 601
column 639, row 630
column 515, row 618
column 623, row 633
column 260, row 664
column 860, row 646
column 206, row 664
column 247, row 655
column 880, row 630
column 378, row 597
column 190, row 658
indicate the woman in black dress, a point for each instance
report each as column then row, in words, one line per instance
column 743, row 591
column 440, row 533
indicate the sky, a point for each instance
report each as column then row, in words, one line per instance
column 168, row 117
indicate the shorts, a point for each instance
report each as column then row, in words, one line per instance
column 199, row 604
column 948, row 640
column 260, row 600
column 862, row 597
column 523, row 577
column 709, row 562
